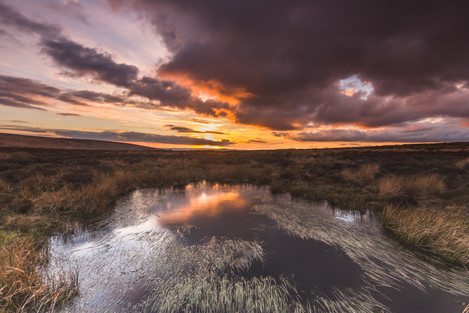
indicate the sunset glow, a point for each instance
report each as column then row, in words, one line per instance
column 124, row 71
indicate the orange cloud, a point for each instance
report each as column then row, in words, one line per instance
column 210, row 89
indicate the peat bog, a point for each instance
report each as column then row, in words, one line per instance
column 373, row 229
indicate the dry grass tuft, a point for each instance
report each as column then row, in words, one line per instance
column 4, row 186
column 444, row 231
column 430, row 184
column 94, row 198
column 394, row 186
column 364, row 174
column 4, row 155
column 462, row 163
column 22, row 287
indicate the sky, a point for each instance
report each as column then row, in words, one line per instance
column 245, row 74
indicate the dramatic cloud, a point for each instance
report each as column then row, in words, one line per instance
column 424, row 132
column 124, row 136
column 84, row 61
column 30, row 94
column 181, row 129
column 291, row 56
column 25, row 93
column 69, row 114
column 370, row 69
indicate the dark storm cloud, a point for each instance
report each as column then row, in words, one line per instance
column 181, row 129
column 84, row 96
column 288, row 57
column 79, row 60
column 30, row 94
column 123, row 136
column 445, row 131
column 290, row 54
column 17, row 104
column 83, row 60
column 69, row 114
column 24, row 93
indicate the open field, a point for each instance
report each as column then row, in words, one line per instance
column 423, row 191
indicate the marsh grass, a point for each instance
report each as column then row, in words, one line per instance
column 444, row 231
column 395, row 186
column 4, row 186
column 43, row 190
column 211, row 288
column 22, row 287
column 364, row 174
column 374, row 255
column 461, row 164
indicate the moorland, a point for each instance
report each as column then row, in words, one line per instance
column 421, row 193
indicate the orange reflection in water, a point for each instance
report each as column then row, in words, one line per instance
column 203, row 205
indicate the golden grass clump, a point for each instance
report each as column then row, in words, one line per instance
column 399, row 185
column 4, row 186
column 429, row 184
column 442, row 231
column 363, row 174
column 93, row 198
column 22, row 287
column 462, row 163
column 37, row 184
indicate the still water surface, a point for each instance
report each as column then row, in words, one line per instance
column 214, row 248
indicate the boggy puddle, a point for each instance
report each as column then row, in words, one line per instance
column 219, row 248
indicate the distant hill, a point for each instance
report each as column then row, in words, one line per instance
column 22, row 141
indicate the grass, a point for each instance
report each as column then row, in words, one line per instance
column 395, row 186
column 41, row 191
column 23, row 289
column 462, row 163
column 374, row 255
column 364, row 174
column 443, row 231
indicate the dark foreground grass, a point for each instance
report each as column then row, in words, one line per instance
column 43, row 191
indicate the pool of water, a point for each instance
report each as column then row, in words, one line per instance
column 217, row 248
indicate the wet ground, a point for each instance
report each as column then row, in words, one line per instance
column 213, row 248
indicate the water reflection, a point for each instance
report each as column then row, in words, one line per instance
column 206, row 204
column 174, row 251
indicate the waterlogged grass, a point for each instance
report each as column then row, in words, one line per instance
column 444, row 231
column 365, row 247
column 208, row 276
column 209, row 289
column 41, row 191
